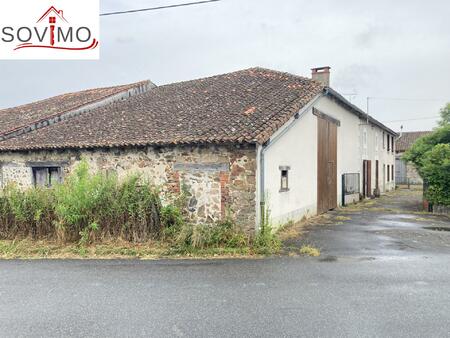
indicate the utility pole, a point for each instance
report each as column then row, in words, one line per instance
column 367, row 110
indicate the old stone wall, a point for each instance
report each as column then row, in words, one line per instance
column 218, row 180
column 412, row 174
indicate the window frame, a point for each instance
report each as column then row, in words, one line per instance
column 284, row 169
column 48, row 180
column 49, row 166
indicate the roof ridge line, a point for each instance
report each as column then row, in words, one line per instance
column 143, row 86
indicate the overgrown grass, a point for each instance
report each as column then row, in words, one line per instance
column 85, row 208
column 310, row 251
column 93, row 215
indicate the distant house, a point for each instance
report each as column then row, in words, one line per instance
column 405, row 173
column 238, row 143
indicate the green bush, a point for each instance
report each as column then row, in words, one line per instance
column 436, row 169
column 88, row 208
column 85, row 207
column 430, row 156
column 426, row 143
column 26, row 213
column 139, row 211
column 223, row 234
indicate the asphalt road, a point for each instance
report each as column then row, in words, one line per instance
column 381, row 274
column 278, row 297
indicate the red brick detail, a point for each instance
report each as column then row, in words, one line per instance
column 224, row 192
column 426, row 205
column 173, row 182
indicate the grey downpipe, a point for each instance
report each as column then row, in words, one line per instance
column 265, row 146
column 262, row 203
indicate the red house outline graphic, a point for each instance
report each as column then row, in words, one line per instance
column 54, row 11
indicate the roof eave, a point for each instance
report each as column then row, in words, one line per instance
column 328, row 91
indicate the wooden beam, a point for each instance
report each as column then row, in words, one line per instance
column 322, row 115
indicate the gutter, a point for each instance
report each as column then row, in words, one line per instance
column 356, row 110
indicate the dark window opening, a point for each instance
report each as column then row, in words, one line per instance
column 388, row 143
column 46, row 176
column 284, row 186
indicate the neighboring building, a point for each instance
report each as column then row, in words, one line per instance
column 237, row 143
column 405, row 173
column 19, row 120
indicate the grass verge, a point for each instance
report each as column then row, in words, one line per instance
column 309, row 251
column 32, row 249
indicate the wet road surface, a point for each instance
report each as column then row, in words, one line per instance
column 380, row 275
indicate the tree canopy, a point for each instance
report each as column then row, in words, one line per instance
column 445, row 115
column 431, row 156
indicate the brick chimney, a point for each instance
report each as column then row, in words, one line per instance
column 321, row 74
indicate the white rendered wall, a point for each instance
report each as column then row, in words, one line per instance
column 377, row 151
column 297, row 148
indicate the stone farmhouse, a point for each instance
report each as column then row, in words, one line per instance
column 405, row 173
column 237, row 143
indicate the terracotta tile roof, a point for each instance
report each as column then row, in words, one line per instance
column 406, row 140
column 246, row 106
column 17, row 118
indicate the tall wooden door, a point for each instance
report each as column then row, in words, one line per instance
column 367, row 178
column 377, row 183
column 326, row 165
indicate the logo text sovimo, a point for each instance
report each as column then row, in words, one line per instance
column 58, row 34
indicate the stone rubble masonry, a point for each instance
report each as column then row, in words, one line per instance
column 412, row 174
column 219, row 179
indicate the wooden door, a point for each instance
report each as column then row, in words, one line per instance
column 367, row 178
column 326, row 165
column 377, row 186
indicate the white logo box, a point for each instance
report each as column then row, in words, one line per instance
column 50, row 30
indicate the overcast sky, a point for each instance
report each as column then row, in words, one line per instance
column 381, row 49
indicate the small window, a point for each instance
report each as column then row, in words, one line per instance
column 284, row 186
column 46, row 176
column 383, row 141
column 388, row 143
column 392, row 143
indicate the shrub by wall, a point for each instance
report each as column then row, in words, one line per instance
column 86, row 207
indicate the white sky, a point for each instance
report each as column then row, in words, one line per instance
column 395, row 49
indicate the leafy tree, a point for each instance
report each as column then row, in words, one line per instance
column 445, row 115
column 416, row 154
column 436, row 169
column 431, row 156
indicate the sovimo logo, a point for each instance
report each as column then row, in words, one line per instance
column 66, row 30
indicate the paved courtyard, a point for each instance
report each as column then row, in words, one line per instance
column 393, row 225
